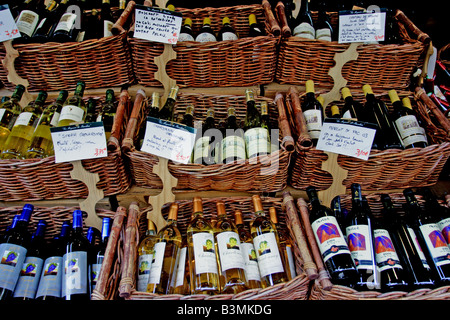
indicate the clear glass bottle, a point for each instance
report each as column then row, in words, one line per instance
column 74, row 109
column 205, row 145
column 107, row 113
column 233, row 143
column 146, row 253
column 9, row 111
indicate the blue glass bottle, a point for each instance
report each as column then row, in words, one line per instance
column 99, row 252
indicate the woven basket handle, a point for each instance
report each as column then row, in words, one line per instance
column 303, row 138
column 140, row 103
column 117, row 27
column 288, row 141
column 119, row 119
column 281, row 15
column 410, row 26
column 273, row 24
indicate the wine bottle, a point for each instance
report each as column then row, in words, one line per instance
column 91, row 111
column 359, row 233
column 338, row 212
column 188, row 116
column 99, row 252
column 206, row 33
column 352, row 108
column 106, row 19
column 205, row 145
column 228, row 249
column 332, row 245
column 50, row 282
column 430, row 238
column 28, row 20
column 92, row 26
column 233, row 144
column 203, row 268
column 16, row 145
column 412, row 135
column 405, row 241
column 8, row 230
column 153, row 112
column 146, row 253
column 107, row 113
column 166, row 112
column 375, row 111
column 41, row 145
column 255, row 30
column 48, row 24
column 65, row 30
column 163, row 272
column 9, row 111
column 303, row 24
column 28, row 281
column 285, row 245
column 13, row 252
column 267, row 246
column 252, row 274
column 75, row 283
column 257, row 140
column 182, row 276
column 227, row 32
column 313, row 112
column 186, row 33
column 392, row 275
column 441, row 213
column 335, row 112
column 74, row 109
column 392, row 33
column 324, row 30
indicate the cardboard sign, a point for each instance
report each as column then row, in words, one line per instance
column 361, row 26
column 169, row 140
column 8, row 28
column 157, row 24
column 79, row 142
column 347, row 137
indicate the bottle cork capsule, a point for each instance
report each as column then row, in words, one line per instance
column 257, row 204
column 150, row 225
column 220, row 205
column 238, row 217
column 273, row 215
column 198, row 205
column 173, row 211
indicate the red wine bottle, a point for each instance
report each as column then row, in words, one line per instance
column 99, row 252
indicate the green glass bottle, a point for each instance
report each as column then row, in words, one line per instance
column 74, row 109
column 166, row 112
column 108, row 112
column 9, row 111
column 255, row 135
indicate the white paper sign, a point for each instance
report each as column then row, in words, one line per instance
column 351, row 138
column 157, row 24
column 8, row 28
column 79, row 142
column 359, row 26
column 169, row 140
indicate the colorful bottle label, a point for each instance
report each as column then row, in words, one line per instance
column 232, row 147
column 385, row 253
column 27, row 22
column 229, row 247
column 444, row 226
column 12, row 259
column 268, row 254
column 410, row 131
column 157, row 264
column 72, row 113
column 50, row 283
column 257, row 141
column 418, row 248
column 75, row 273
column 144, row 266
column 360, row 245
column 204, row 253
column 329, row 237
column 313, row 119
column 95, row 273
column 436, row 244
column 250, row 261
column 29, row 278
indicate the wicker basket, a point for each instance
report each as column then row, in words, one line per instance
column 297, row 288
column 384, row 170
column 37, row 179
column 243, row 62
column 268, row 174
column 383, row 66
column 339, row 292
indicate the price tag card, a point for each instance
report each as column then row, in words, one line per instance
column 8, row 28
column 347, row 137
column 157, row 24
column 361, row 26
column 169, row 140
column 79, row 142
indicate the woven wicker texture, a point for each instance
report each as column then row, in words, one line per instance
column 383, row 66
column 243, row 62
column 384, row 170
column 297, row 288
column 344, row 293
column 269, row 173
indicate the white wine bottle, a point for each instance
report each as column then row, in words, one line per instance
column 256, row 137
column 313, row 112
column 226, row 32
column 233, row 143
column 107, row 113
column 205, row 145
column 19, row 139
column 182, row 276
column 9, row 111
column 203, row 268
column 74, row 109
column 206, row 33
column 146, row 253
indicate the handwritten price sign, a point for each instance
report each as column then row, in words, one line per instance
column 8, row 28
column 351, row 138
column 357, row 26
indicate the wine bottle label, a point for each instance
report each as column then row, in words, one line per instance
column 418, row 248
column 12, row 259
column 185, row 37
column 385, row 253
column 329, row 237
column 436, row 244
column 313, row 119
column 229, row 36
column 360, row 245
column 29, row 278
column 444, row 226
column 27, row 22
column 304, row 30
column 290, row 258
column 204, row 253
column 348, row 115
column 66, row 22
column 72, row 113
column 229, row 247
column 107, row 26
column 23, row 119
column 257, row 141
column 41, row 23
column 250, row 261
column 2, row 112
column 205, row 37
column 232, row 147
column 144, row 266
column 95, row 273
column 50, row 279
column 181, row 268
column 323, row 34
column 268, row 254
column 157, row 264
column 75, row 273
column 201, row 149
column 410, row 130
column 55, row 119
